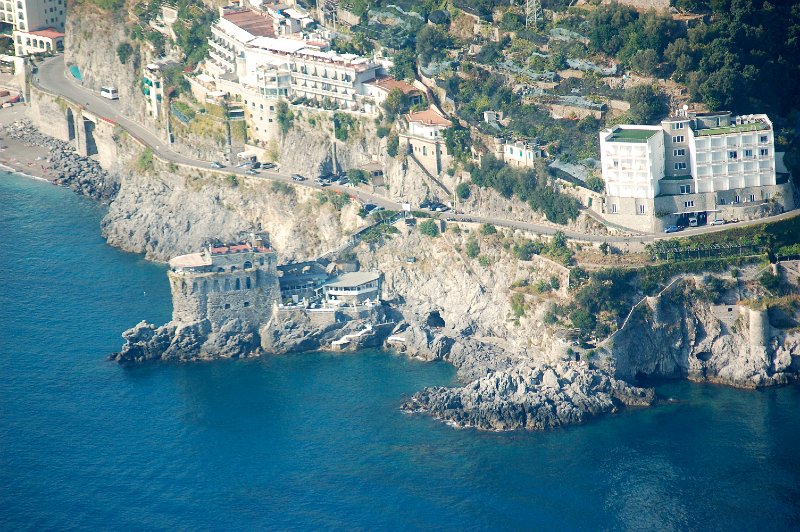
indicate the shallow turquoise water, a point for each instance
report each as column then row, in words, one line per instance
column 317, row 440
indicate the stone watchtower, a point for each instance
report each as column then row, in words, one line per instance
column 225, row 282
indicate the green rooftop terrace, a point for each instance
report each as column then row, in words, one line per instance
column 741, row 128
column 632, row 135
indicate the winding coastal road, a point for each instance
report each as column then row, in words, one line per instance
column 52, row 78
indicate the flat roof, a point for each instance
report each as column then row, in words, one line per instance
column 429, row 117
column 735, row 128
column 632, row 135
column 353, row 279
column 253, row 23
column 192, row 260
column 388, row 83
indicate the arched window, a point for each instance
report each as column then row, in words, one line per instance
column 238, row 284
column 247, row 282
column 220, row 269
column 233, row 268
column 227, row 285
column 247, row 265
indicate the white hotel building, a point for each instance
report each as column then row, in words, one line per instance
column 269, row 57
column 38, row 25
column 694, row 165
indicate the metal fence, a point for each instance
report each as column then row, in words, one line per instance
column 714, row 250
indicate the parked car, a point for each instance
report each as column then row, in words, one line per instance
column 672, row 229
column 217, row 165
column 251, row 172
column 718, row 221
column 693, row 222
column 298, row 177
column 268, row 166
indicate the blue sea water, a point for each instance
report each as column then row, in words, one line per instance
column 317, row 440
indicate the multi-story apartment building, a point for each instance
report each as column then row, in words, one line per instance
column 38, row 25
column 694, row 166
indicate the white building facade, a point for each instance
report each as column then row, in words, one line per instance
column 694, row 166
column 38, row 25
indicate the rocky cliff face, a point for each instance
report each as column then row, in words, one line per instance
column 166, row 211
column 91, row 41
column 677, row 336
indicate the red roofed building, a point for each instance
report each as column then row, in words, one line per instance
column 38, row 41
column 424, row 137
column 380, row 87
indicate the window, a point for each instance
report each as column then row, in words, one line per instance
column 686, row 189
column 767, row 195
column 687, row 204
column 613, row 208
column 616, row 164
column 678, row 125
column 680, row 152
column 246, row 304
column 641, row 209
column 227, row 305
column 721, row 201
column 763, row 152
column 680, row 166
column 748, row 153
column 751, row 198
column 763, row 138
column 737, row 199
column 677, row 138
column 732, row 154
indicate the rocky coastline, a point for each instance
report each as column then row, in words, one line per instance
column 65, row 166
column 512, row 376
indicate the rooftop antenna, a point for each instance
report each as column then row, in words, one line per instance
column 533, row 13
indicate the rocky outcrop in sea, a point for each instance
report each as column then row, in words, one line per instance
column 532, row 397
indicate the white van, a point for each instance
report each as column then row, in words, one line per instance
column 109, row 92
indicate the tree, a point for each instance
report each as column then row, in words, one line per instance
column 357, row 176
column 583, row 320
column 462, row 191
column 395, row 103
column 457, row 140
column 124, row 52
column 405, row 64
column 285, row 117
column 429, row 228
column 647, row 104
column 645, row 62
column 595, row 183
column 431, row 44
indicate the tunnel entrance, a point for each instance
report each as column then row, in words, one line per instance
column 435, row 319
column 70, row 124
column 88, row 129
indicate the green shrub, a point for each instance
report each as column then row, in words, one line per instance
column 473, row 249
column 145, row 162
column 488, row 229
column 383, row 131
column 518, row 304
column 429, row 228
column 392, row 145
column 124, row 52
column 484, row 261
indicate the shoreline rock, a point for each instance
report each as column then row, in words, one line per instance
column 69, row 169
